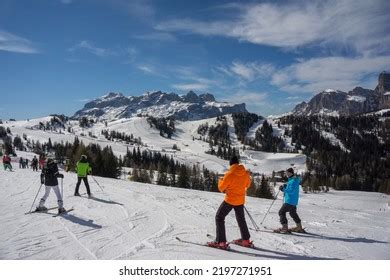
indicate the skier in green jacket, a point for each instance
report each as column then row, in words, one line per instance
column 83, row 169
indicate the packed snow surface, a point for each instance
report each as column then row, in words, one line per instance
column 130, row 220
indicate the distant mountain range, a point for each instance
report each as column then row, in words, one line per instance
column 195, row 107
column 158, row 104
column 356, row 101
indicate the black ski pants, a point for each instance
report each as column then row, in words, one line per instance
column 293, row 213
column 222, row 212
column 85, row 179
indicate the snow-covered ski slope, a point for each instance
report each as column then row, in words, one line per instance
column 192, row 151
column 140, row 221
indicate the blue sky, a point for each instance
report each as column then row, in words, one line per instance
column 57, row 54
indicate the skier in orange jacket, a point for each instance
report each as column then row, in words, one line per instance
column 234, row 184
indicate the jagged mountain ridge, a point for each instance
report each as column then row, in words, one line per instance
column 158, row 104
column 357, row 101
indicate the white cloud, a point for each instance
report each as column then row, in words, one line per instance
column 316, row 74
column 156, row 36
column 191, row 77
column 247, row 71
column 91, row 48
column 248, row 97
column 12, row 43
column 191, row 86
column 140, row 9
column 358, row 24
column 257, row 102
column 242, row 71
column 146, row 69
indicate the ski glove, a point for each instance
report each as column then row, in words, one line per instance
column 282, row 187
column 60, row 175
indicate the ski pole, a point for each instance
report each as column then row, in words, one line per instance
column 276, row 196
column 97, row 183
column 252, row 220
column 32, row 205
column 62, row 188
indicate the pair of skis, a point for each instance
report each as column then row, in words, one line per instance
column 228, row 248
column 52, row 208
column 270, row 230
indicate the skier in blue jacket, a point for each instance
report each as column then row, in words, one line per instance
column 290, row 202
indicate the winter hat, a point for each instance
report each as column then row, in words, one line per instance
column 234, row 160
column 83, row 157
column 290, row 170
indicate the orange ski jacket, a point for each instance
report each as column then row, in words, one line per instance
column 234, row 184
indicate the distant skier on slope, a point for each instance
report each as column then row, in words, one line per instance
column 49, row 177
column 41, row 161
column 291, row 196
column 34, row 163
column 7, row 162
column 83, row 169
column 234, row 184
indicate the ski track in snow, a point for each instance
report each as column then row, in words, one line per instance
column 139, row 221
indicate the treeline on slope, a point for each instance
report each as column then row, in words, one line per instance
column 364, row 162
column 5, row 136
column 265, row 141
column 243, row 122
column 56, row 123
column 166, row 126
column 218, row 138
column 126, row 138
column 147, row 166
column 143, row 164
column 85, row 122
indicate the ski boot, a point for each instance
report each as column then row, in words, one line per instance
column 284, row 229
column 243, row 243
column 298, row 229
column 90, row 196
column 61, row 210
column 41, row 209
column 218, row 245
column 76, row 194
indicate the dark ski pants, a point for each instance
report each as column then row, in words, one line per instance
column 293, row 213
column 222, row 212
column 85, row 179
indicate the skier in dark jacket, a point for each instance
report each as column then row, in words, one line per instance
column 34, row 163
column 49, row 177
column 291, row 196
column 21, row 163
column 83, row 169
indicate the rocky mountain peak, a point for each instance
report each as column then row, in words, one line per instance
column 158, row 104
column 357, row 101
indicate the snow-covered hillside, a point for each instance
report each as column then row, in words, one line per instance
column 139, row 221
column 192, row 150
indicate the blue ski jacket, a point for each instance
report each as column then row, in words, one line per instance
column 291, row 191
